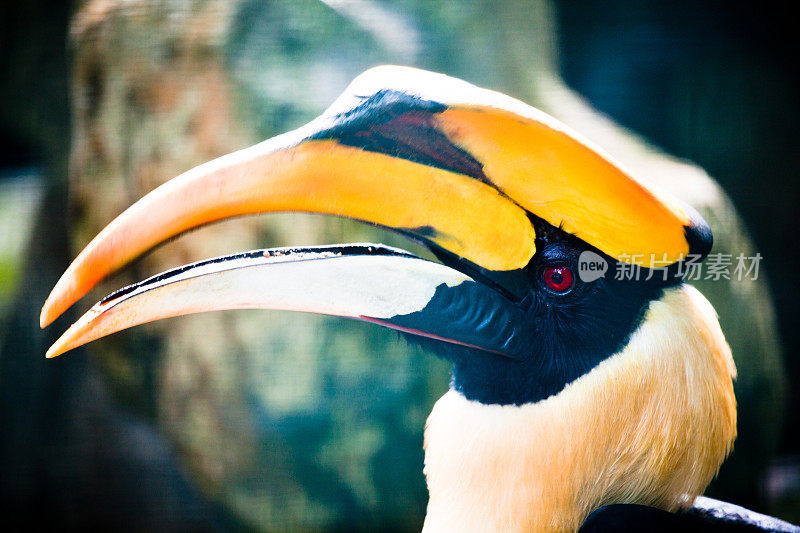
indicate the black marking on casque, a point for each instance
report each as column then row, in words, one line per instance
column 426, row 232
column 322, row 251
column 401, row 125
column 700, row 239
column 555, row 338
column 697, row 233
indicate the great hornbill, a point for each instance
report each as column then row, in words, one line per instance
column 607, row 396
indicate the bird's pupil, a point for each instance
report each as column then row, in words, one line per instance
column 558, row 279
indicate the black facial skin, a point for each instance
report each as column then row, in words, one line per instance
column 565, row 335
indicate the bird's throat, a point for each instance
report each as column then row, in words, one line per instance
column 650, row 425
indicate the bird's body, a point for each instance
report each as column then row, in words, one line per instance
column 568, row 393
column 647, row 425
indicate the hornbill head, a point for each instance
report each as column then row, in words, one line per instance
column 511, row 202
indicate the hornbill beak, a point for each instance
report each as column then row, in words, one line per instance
column 461, row 169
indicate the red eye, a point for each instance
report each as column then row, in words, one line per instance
column 558, row 279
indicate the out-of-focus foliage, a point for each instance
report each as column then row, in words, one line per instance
column 20, row 195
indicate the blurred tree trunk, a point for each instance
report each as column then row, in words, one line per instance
column 154, row 95
column 68, row 453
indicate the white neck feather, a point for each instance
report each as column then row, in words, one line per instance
column 650, row 425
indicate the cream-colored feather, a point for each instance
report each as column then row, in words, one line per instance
column 651, row 425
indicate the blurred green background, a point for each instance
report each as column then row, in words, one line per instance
column 287, row 422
